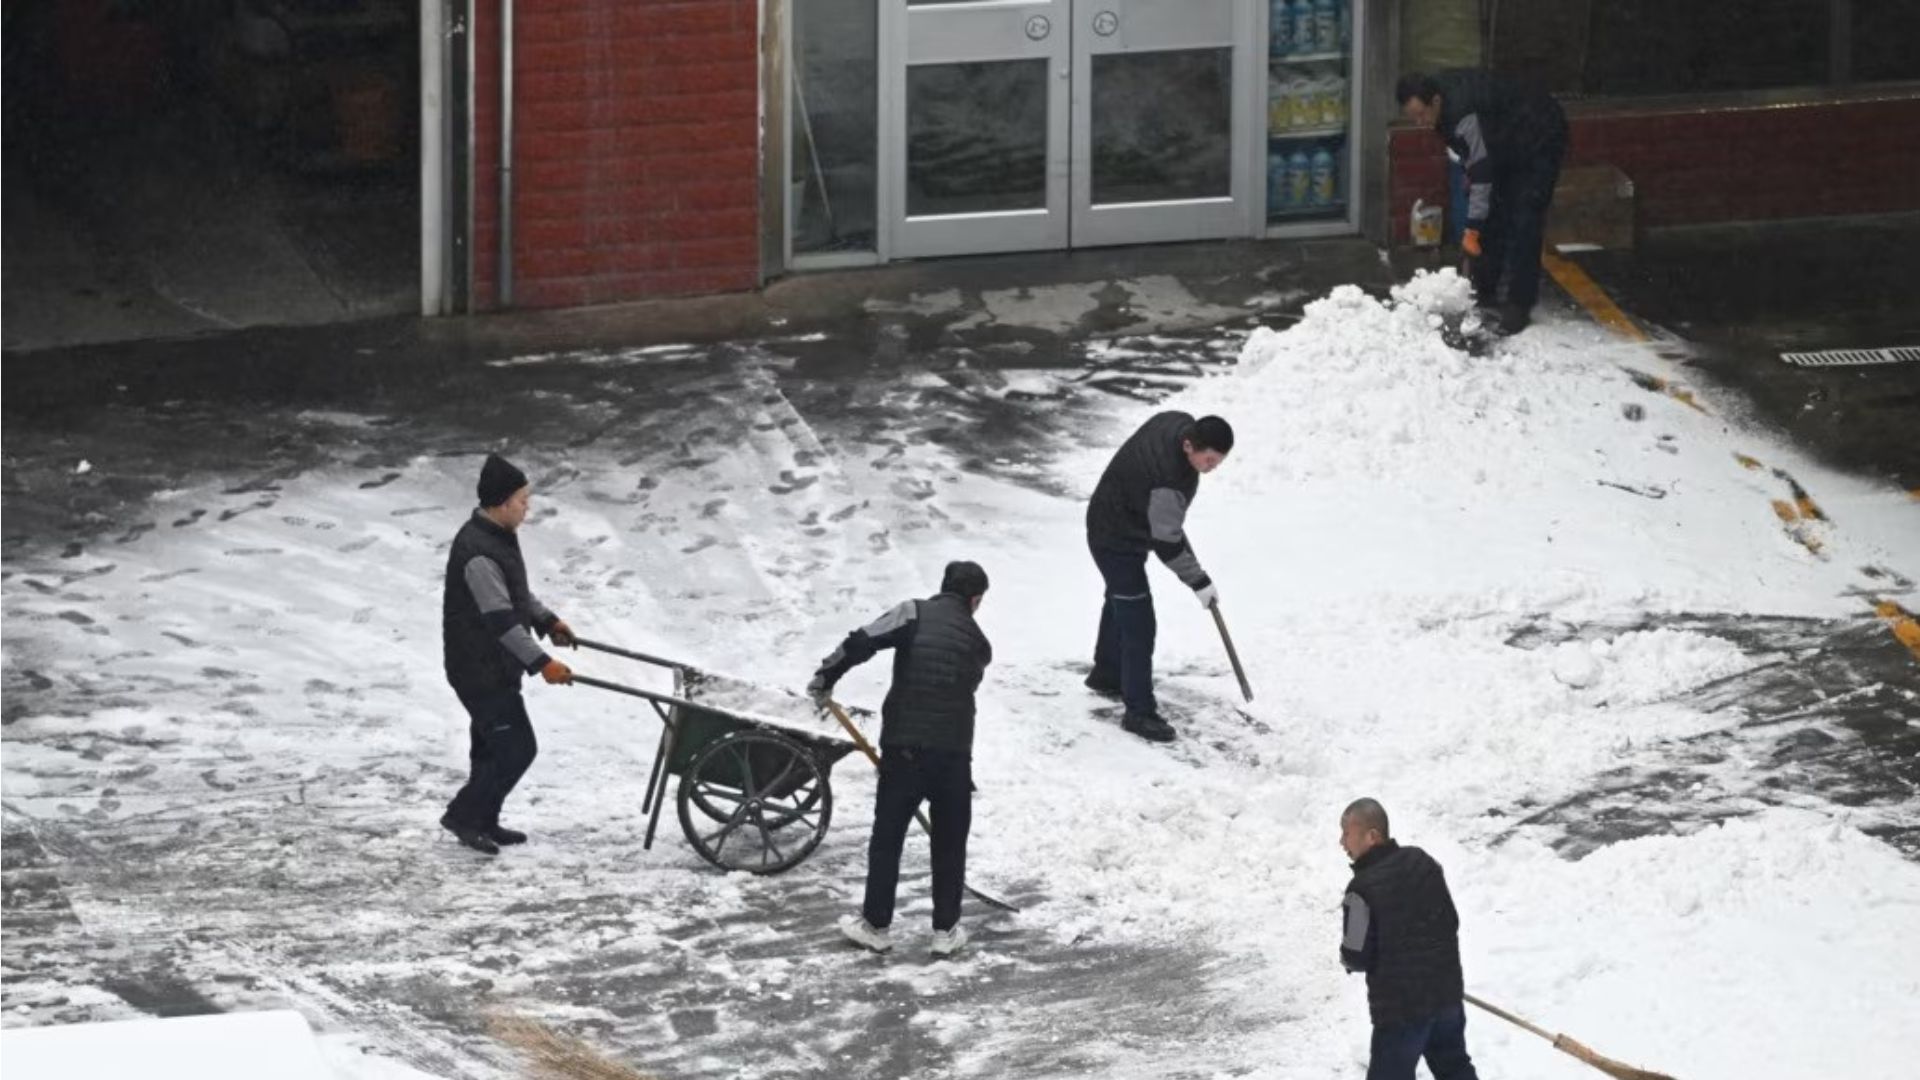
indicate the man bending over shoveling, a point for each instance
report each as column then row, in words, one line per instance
column 1140, row 506
column 926, row 746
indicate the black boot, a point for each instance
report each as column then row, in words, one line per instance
column 505, row 837
column 1103, row 682
column 1148, row 726
column 470, row 836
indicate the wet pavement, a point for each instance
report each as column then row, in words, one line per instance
column 1744, row 294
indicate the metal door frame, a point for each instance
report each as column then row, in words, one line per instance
column 949, row 39
column 1220, row 217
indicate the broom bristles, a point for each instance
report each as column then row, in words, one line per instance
column 1620, row 1070
column 552, row 1056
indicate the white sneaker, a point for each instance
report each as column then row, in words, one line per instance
column 857, row 930
column 948, row 942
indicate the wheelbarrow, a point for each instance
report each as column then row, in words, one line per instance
column 756, row 791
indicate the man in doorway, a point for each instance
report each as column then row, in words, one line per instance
column 1399, row 926
column 926, row 746
column 1510, row 139
column 1140, row 506
column 487, row 620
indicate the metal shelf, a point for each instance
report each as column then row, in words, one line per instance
column 1305, row 58
column 1336, row 207
column 1306, row 133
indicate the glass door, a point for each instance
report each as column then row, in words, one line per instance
column 1310, row 95
column 1161, row 99
column 977, row 151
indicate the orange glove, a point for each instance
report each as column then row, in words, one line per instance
column 556, row 672
column 562, row 634
column 1470, row 242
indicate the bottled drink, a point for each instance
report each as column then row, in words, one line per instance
column 1326, row 26
column 1299, row 179
column 1325, row 182
column 1278, row 191
column 1333, row 101
column 1279, row 109
column 1303, row 26
column 1280, row 33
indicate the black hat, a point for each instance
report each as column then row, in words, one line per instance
column 964, row 579
column 499, row 479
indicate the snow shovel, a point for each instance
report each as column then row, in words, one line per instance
column 873, row 755
column 1618, row 1069
column 1246, row 689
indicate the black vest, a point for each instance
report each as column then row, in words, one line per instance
column 1416, row 969
column 476, row 661
column 1150, row 458
column 935, row 674
column 1518, row 121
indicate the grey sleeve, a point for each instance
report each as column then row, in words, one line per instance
column 1470, row 144
column 889, row 631
column 489, row 588
column 1356, row 944
column 1167, row 519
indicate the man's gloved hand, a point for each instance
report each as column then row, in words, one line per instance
column 819, row 692
column 1208, row 595
column 1470, row 242
column 562, row 634
column 556, row 672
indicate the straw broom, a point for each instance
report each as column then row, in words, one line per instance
column 552, row 1056
column 1618, row 1069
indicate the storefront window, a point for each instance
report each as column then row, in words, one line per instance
column 833, row 120
column 1886, row 40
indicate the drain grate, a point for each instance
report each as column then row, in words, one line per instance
column 1849, row 357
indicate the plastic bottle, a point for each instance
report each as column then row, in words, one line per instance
column 1333, row 101
column 1326, row 26
column 1346, row 25
column 1325, row 183
column 1278, row 191
column 1279, row 111
column 1303, row 113
column 1299, row 179
column 1280, row 33
column 1303, row 26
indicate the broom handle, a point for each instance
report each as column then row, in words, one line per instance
column 1510, row 1018
column 1233, row 655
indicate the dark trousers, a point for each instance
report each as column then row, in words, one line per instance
column 1124, row 648
column 944, row 780
column 1508, row 269
column 1440, row 1038
column 501, row 749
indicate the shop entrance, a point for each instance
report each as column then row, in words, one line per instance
column 1032, row 124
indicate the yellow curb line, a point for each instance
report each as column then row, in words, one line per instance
column 1903, row 624
column 1591, row 296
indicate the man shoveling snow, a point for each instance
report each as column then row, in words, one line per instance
column 1140, row 505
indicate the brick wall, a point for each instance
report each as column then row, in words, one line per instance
column 1696, row 166
column 636, row 150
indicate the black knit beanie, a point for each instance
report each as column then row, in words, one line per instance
column 499, row 479
column 964, row 579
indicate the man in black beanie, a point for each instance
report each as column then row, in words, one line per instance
column 926, row 744
column 1140, row 506
column 486, row 614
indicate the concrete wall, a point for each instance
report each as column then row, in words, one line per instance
column 636, row 149
column 1697, row 165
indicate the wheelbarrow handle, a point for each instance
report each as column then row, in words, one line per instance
column 615, row 650
column 634, row 691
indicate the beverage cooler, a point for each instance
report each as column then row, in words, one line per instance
column 1312, row 86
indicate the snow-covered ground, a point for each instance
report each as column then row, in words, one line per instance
column 1459, row 584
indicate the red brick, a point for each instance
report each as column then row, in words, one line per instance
column 720, row 194
column 736, row 44
column 660, row 20
column 553, row 262
column 710, row 224
column 725, row 104
column 721, row 252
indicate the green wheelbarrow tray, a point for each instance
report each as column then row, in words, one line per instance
column 754, row 766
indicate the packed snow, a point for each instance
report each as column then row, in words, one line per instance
column 1395, row 514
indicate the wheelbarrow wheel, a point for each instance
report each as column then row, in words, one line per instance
column 755, row 801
